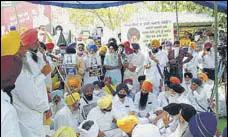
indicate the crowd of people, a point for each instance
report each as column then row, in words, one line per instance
column 84, row 89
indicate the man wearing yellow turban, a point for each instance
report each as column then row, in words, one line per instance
column 207, row 85
column 154, row 65
column 103, row 117
column 10, row 43
column 127, row 124
column 69, row 114
column 146, row 103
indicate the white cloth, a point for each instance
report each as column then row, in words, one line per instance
column 91, row 60
column 162, row 99
column 187, row 87
column 146, row 130
column 48, row 80
column 30, row 98
column 131, row 59
column 122, row 109
column 92, row 132
column 9, row 119
column 65, row 117
column 139, row 64
column 56, row 107
column 104, row 121
column 209, row 61
column 180, row 130
column 151, row 107
column 192, row 64
column 152, row 73
column 198, row 98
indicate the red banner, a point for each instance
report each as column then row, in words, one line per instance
column 29, row 16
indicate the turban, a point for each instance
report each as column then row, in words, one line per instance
column 224, row 133
column 155, row 43
column 197, row 81
column 147, row 85
column 141, row 78
column 55, row 85
column 203, row 75
column 127, row 123
column 168, row 43
column 207, row 45
column 12, row 28
column 92, row 46
column 122, row 86
column 10, row 43
column 57, row 93
column 146, row 130
column 72, row 45
column 193, row 45
column 105, row 101
column 72, row 98
column 174, row 80
column 70, row 50
column 89, row 128
column 189, row 74
column 135, row 46
column 126, row 44
column 112, row 40
column 103, row 49
column 65, row 132
column 203, row 124
column 28, row 37
column 187, row 111
column 114, row 45
column 172, row 108
column 176, row 42
column 50, row 45
column 10, row 69
column 86, row 87
column 128, row 50
column 177, row 88
column 128, row 81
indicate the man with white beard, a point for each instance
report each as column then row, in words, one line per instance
column 31, row 101
column 154, row 65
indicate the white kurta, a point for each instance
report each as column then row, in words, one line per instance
column 187, row 87
column 91, row 60
column 152, row 73
column 56, row 107
column 30, row 98
column 122, row 109
column 139, row 64
column 146, row 130
column 65, row 117
column 9, row 119
column 151, row 107
column 197, row 99
column 104, row 121
column 192, row 65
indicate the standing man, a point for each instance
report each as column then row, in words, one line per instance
column 175, row 56
column 31, row 101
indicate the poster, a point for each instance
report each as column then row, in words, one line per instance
column 71, row 71
column 143, row 32
column 29, row 16
column 95, row 71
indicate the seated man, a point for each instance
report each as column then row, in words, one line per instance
column 146, row 103
column 98, row 91
column 121, row 104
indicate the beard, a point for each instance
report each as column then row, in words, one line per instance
column 8, row 90
column 143, row 101
column 34, row 55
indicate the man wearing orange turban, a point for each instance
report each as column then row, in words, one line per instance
column 146, row 103
column 31, row 80
column 207, row 85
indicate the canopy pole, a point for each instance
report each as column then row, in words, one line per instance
column 18, row 23
column 216, row 58
column 177, row 25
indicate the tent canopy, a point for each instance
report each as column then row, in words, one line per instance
column 222, row 5
column 84, row 4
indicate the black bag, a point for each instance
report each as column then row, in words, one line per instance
column 167, row 75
